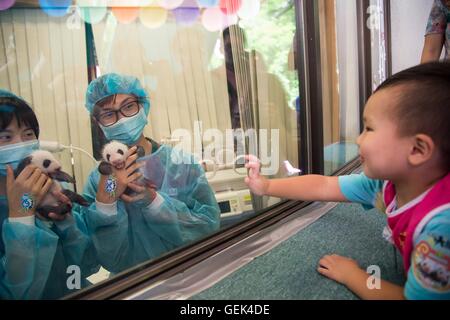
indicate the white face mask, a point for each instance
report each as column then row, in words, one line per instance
column 12, row 154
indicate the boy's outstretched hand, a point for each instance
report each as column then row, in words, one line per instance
column 257, row 183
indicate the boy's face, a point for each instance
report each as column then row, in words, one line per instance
column 384, row 154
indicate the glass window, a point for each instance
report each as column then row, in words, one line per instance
column 340, row 82
column 221, row 82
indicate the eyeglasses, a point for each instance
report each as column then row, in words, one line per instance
column 110, row 117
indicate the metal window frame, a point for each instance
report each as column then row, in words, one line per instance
column 364, row 57
column 310, row 124
column 310, row 79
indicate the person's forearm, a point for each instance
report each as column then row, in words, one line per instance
column 386, row 291
column 306, row 188
column 430, row 56
column 432, row 47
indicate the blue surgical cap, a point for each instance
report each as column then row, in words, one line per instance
column 8, row 94
column 111, row 84
column 23, row 110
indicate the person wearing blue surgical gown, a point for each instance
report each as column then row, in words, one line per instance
column 35, row 254
column 180, row 206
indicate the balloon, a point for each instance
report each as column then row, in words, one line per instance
column 249, row 9
column 55, row 8
column 170, row 4
column 208, row 3
column 186, row 16
column 212, row 19
column 92, row 11
column 124, row 14
column 6, row 4
column 230, row 6
column 153, row 17
column 229, row 20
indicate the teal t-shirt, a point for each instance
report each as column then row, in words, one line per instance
column 428, row 277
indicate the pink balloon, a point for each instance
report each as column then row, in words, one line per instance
column 212, row 19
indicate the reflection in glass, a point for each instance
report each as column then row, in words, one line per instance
column 218, row 90
column 339, row 51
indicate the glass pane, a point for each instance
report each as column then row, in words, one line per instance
column 378, row 42
column 340, row 87
column 215, row 80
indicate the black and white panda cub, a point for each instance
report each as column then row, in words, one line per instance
column 115, row 154
column 48, row 164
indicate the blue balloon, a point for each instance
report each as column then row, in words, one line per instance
column 55, row 8
column 208, row 3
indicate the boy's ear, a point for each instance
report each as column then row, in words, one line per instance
column 422, row 149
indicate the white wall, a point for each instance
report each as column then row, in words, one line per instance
column 408, row 22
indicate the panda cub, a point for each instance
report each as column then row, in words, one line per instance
column 115, row 154
column 48, row 164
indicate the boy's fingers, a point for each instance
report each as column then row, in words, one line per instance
column 253, row 170
column 323, row 271
column 251, row 158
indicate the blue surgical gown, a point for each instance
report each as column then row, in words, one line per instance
column 185, row 210
column 34, row 258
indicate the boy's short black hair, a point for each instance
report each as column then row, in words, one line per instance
column 11, row 108
column 424, row 103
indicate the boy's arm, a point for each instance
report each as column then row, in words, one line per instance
column 306, row 188
column 387, row 290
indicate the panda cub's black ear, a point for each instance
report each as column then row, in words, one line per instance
column 25, row 162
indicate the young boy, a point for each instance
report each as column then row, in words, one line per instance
column 405, row 155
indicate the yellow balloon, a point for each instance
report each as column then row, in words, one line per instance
column 153, row 17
